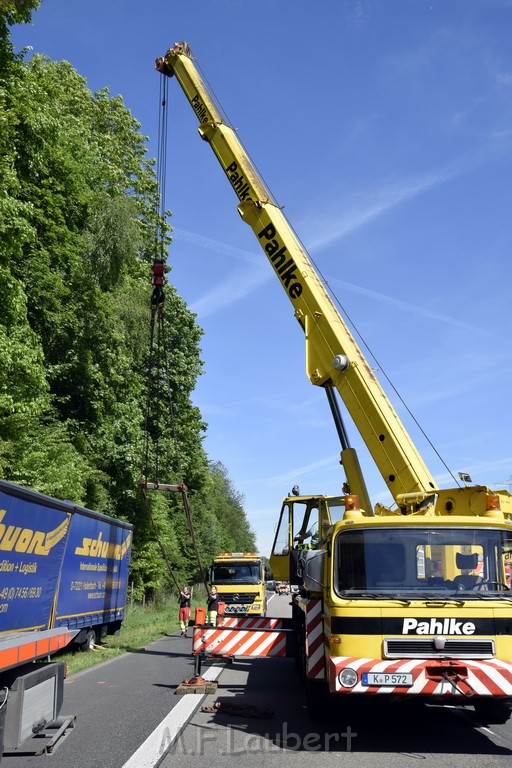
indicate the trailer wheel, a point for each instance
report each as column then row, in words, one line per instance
column 493, row 711
column 89, row 642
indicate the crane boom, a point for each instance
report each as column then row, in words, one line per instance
column 333, row 358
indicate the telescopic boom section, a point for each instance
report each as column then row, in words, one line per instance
column 332, row 354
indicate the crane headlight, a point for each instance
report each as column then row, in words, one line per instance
column 347, row 677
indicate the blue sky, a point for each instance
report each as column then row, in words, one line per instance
column 384, row 128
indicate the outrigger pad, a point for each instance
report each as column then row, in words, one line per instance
column 196, row 685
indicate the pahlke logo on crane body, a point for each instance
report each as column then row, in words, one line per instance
column 238, row 182
column 283, row 264
column 437, row 627
column 199, row 108
column 276, row 251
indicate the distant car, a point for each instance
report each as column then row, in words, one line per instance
column 270, row 586
column 283, row 589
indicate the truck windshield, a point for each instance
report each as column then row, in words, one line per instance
column 423, row 561
column 236, row 573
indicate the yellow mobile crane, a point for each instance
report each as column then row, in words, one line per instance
column 414, row 602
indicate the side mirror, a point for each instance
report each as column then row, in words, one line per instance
column 312, row 569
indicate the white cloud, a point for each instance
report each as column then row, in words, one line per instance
column 231, row 290
column 417, row 309
column 300, row 472
column 215, row 245
column 373, row 203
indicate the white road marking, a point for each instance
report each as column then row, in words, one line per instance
column 165, row 734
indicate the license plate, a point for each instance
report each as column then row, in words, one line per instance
column 387, row 678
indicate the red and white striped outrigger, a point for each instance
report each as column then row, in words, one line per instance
column 240, row 636
column 315, row 640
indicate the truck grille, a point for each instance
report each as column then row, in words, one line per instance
column 426, row 649
column 238, row 598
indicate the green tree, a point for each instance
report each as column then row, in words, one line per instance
column 79, row 217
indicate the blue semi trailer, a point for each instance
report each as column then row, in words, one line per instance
column 63, row 580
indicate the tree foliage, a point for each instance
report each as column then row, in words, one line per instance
column 79, row 209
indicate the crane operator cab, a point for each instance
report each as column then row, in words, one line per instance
column 304, row 524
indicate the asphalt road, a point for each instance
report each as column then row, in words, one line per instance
column 380, row 736
column 117, row 704
column 127, row 712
